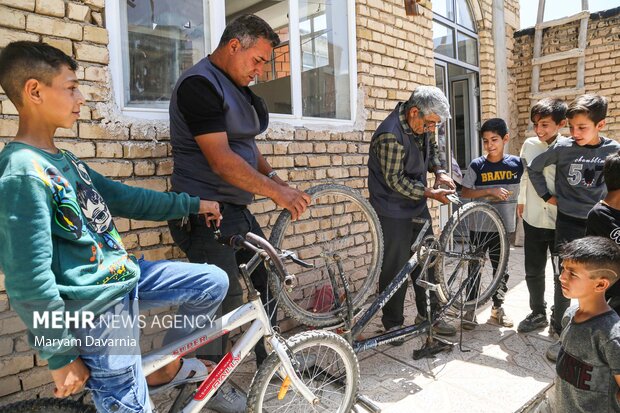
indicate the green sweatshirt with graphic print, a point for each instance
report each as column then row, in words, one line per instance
column 58, row 240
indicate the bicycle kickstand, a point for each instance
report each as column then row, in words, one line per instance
column 433, row 345
column 365, row 403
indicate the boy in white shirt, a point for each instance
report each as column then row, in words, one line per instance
column 548, row 116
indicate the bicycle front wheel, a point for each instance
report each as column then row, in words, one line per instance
column 329, row 369
column 339, row 223
column 474, row 250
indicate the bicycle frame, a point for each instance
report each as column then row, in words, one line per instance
column 253, row 312
column 389, row 291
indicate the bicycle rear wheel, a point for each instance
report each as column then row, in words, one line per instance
column 474, row 250
column 338, row 221
column 48, row 405
column 331, row 372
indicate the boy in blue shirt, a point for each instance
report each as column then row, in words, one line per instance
column 61, row 250
column 495, row 178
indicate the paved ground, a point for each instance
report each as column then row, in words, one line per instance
column 498, row 369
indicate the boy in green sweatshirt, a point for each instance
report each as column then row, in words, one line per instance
column 62, row 253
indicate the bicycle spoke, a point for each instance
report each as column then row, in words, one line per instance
column 474, row 251
column 340, row 226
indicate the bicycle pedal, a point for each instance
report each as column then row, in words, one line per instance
column 429, row 350
column 427, row 285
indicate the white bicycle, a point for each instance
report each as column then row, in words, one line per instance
column 311, row 371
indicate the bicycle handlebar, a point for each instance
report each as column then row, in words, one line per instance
column 261, row 246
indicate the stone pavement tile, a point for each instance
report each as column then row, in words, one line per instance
column 528, row 352
column 501, row 380
column 466, row 387
column 485, row 335
column 441, row 397
column 430, row 366
column 386, row 380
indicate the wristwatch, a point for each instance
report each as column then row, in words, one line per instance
column 440, row 171
column 271, row 174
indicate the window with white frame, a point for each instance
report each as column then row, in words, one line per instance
column 311, row 75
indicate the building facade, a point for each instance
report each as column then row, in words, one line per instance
column 341, row 68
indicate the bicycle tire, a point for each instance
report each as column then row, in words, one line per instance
column 340, row 220
column 335, row 372
column 458, row 241
column 48, row 405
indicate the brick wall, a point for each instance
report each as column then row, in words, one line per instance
column 601, row 74
column 394, row 55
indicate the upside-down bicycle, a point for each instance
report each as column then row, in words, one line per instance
column 345, row 252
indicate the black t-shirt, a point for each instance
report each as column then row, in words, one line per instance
column 604, row 221
column 201, row 105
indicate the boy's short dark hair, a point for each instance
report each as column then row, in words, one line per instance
column 599, row 255
column 556, row 108
column 23, row 60
column 496, row 125
column 248, row 29
column 593, row 106
column 611, row 172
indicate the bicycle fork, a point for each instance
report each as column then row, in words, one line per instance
column 283, row 354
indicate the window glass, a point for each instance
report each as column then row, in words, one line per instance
column 154, row 41
column 444, row 8
column 468, row 49
column 443, row 39
column 464, row 16
column 163, row 38
column 274, row 85
column 324, row 36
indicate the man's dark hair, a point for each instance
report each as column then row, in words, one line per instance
column 556, row 108
column 611, row 172
column 600, row 255
column 248, row 29
column 495, row 125
column 593, row 106
column 23, row 60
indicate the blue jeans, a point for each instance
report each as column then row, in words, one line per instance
column 198, row 242
column 116, row 380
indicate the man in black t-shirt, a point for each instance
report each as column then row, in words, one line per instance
column 214, row 119
column 604, row 217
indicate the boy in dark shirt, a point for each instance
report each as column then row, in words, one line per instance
column 604, row 217
column 60, row 245
column 495, row 177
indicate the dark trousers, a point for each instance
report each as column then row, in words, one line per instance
column 491, row 245
column 199, row 244
column 567, row 229
column 537, row 242
column 398, row 235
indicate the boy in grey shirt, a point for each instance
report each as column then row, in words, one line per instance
column 588, row 364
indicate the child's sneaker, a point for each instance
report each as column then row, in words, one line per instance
column 532, row 322
column 469, row 320
column 500, row 316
